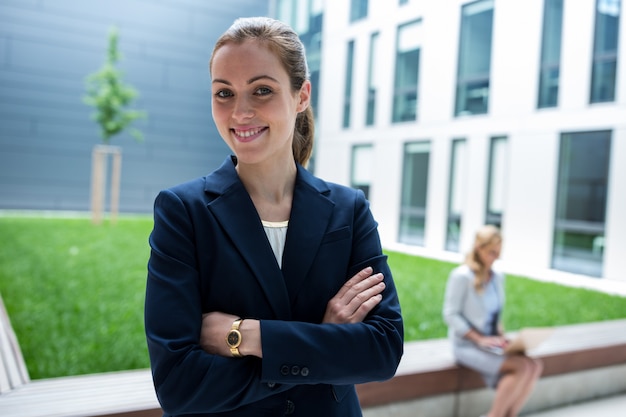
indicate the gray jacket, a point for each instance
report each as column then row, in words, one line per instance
column 463, row 308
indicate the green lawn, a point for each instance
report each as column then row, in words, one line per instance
column 421, row 284
column 75, row 292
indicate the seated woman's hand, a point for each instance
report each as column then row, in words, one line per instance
column 493, row 341
column 356, row 298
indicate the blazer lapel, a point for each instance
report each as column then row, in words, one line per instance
column 310, row 214
column 236, row 213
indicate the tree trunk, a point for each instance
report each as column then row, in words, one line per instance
column 99, row 173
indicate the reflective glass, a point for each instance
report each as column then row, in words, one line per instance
column 347, row 101
column 407, row 72
column 550, row 53
column 358, row 9
column 496, row 185
column 474, row 64
column 414, row 191
column 362, row 163
column 456, row 200
column 372, row 81
column 581, row 202
column 606, row 36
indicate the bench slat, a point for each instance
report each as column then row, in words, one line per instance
column 111, row 393
column 13, row 372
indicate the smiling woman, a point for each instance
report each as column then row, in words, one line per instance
column 268, row 269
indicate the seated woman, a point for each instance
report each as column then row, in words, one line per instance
column 473, row 303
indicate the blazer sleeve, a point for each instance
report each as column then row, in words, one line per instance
column 341, row 354
column 187, row 379
column 453, row 305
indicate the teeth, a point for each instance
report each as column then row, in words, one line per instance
column 247, row 133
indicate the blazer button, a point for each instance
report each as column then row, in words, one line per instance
column 295, row 370
column 304, row 371
column 290, row 407
column 284, row 370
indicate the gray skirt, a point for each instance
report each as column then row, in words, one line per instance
column 484, row 362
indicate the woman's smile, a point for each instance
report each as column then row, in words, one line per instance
column 249, row 134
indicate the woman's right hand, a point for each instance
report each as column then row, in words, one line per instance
column 492, row 341
column 356, row 298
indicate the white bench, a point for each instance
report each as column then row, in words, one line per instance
column 119, row 394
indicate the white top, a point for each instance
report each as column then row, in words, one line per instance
column 276, row 234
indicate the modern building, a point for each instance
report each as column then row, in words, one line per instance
column 452, row 114
column 48, row 48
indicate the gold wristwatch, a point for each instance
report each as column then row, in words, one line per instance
column 233, row 338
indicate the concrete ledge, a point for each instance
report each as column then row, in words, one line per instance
column 554, row 391
column 428, row 382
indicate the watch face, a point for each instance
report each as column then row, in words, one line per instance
column 233, row 338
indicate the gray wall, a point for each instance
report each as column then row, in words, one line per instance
column 46, row 134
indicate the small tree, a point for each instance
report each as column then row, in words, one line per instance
column 107, row 92
column 110, row 96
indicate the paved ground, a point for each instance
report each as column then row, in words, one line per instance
column 606, row 407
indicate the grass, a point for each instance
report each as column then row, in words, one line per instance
column 75, row 293
column 529, row 303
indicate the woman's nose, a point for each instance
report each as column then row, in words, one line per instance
column 243, row 109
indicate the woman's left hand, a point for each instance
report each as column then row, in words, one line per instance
column 356, row 298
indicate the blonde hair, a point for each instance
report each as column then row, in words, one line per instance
column 284, row 42
column 485, row 236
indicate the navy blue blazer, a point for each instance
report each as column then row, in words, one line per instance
column 209, row 252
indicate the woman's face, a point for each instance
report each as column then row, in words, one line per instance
column 254, row 106
column 489, row 253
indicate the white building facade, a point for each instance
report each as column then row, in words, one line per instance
column 453, row 114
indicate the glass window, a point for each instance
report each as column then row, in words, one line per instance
column 496, row 180
column 604, row 66
column 458, row 173
column 549, row 71
column 407, row 72
column 414, row 187
column 372, row 81
column 581, row 202
column 295, row 13
column 362, row 163
column 285, row 11
column 306, row 17
column 358, row 9
column 347, row 98
column 474, row 65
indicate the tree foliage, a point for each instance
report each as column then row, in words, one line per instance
column 111, row 97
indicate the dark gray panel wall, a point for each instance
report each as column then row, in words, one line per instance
column 47, row 47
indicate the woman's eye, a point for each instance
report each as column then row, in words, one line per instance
column 223, row 94
column 263, row 91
